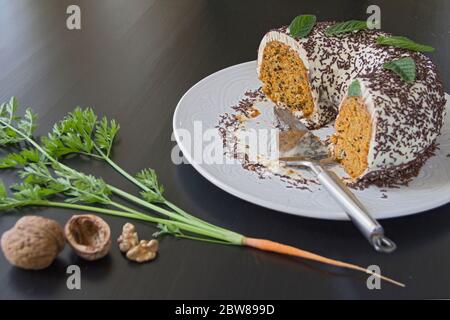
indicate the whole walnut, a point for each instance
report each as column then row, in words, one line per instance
column 33, row 243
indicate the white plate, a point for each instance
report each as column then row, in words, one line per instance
column 215, row 94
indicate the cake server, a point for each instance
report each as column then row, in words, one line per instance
column 298, row 147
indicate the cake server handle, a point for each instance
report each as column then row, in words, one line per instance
column 369, row 227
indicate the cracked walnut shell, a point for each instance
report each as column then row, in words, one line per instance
column 144, row 251
column 33, row 243
column 89, row 236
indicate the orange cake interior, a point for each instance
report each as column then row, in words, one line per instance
column 285, row 78
column 352, row 138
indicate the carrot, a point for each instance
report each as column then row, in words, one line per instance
column 271, row 246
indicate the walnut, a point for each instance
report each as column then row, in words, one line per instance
column 129, row 238
column 89, row 236
column 136, row 251
column 33, row 243
column 144, row 251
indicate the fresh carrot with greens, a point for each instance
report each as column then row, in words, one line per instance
column 80, row 132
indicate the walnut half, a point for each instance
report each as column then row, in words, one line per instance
column 128, row 239
column 144, row 251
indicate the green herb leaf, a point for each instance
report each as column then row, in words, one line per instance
column 77, row 186
column 80, row 187
column 36, row 173
column 73, row 134
column 8, row 203
column 20, row 159
column 166, row 229
column 151, row 197
column 105, row 133
column 27, row 124
column 80, row 132
column 3, row 192
column 24, row 125
column 354, row 90
column 404, row 67
column 302, row 25
column 149, row 179
column 403, row 42
column 55, row 147
column 345, row 27
column 29, row 192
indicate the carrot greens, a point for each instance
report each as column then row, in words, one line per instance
column 80, row 132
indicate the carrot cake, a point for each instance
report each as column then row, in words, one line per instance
column 383, row 93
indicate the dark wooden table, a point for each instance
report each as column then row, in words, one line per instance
column 133, row 60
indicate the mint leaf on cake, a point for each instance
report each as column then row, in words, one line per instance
column 404, row 67
column 302, row 25
column 404, row 43
column 354, row 90
column 345, row 27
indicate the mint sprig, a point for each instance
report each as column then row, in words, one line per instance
column 404, row 67
column 403, row 42
column 302, row 25
column 354, row 90
column 345, row 27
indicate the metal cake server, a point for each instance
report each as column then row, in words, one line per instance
column 300, row 148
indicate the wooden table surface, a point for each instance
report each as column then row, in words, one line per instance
column 133, row 60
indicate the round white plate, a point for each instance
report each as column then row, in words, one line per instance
column 199, row 109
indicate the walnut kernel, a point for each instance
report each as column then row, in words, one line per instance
column 144, row 251
column 129, row 238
